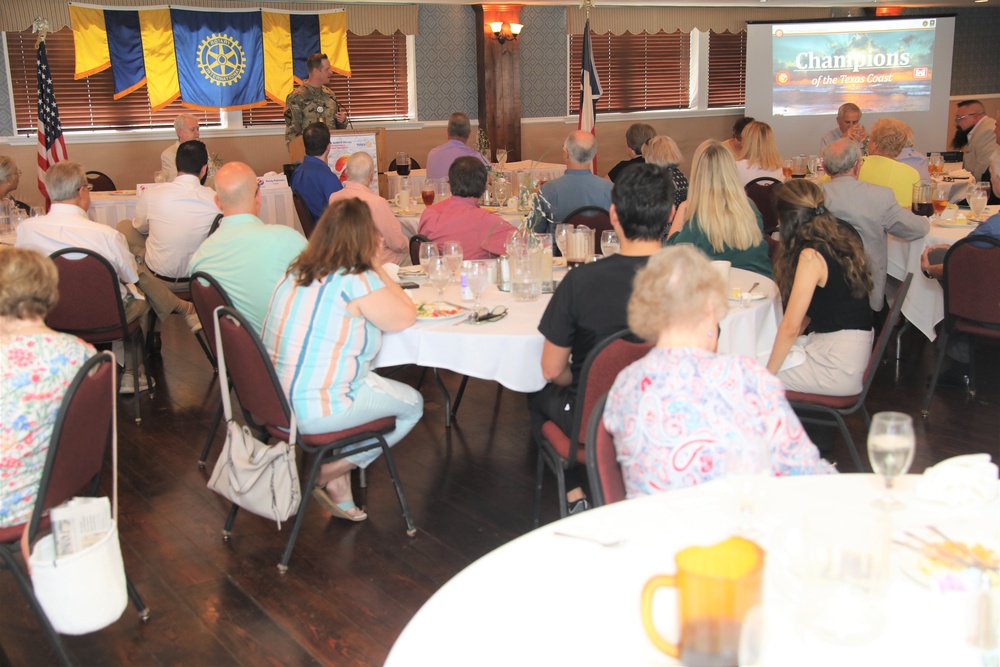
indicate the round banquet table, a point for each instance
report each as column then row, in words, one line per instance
column 548, row 599
column 924, row 304
column 410, row 222
column 510, row 351
column 540, row 170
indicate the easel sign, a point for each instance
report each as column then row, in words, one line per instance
column 344, row 143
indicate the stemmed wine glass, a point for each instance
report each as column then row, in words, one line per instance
column 477, row 273
column 562, row 237
column 748, row 464
column 890, row 450
column 978, row 197
column 452, row 251
column 609, row 242
column 439, row 273
column 428, row 250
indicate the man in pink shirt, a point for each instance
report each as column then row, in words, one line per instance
column 359, row 172
column 483, row 234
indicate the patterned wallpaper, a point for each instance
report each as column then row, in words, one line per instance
column 543, row 62
column 6, row 112
column 977, row 45
column 446, row 62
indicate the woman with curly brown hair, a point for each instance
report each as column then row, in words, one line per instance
column 824, row 280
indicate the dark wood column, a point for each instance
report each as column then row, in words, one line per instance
column 498, row 73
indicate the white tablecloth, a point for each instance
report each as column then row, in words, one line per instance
column 539, row 170
column 924, row 305
column 110, row 208
column 545, row 599
column 510, row 351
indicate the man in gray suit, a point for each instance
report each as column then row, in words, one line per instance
column 871, row 209
column 975, row 136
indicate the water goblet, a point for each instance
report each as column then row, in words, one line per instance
column 609, row 242
column 477, row 272
column 890, row 450
column 978, row 197
column 439, row 274
column 428, row 250
column 562, row 237
column 748, row 464
column 452, row 252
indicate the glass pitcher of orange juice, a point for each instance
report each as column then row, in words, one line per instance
column 716, row 587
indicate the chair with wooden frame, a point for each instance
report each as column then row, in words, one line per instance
column 78, row 447
column 91, row 307
column 761, row 192
column 560, row 451
column 838, row 407
column 263, row 401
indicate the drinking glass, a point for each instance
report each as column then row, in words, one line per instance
column 890, row 450
column 787, row 168
column 748, row 464
column 477, row 272
column 935, row 164
column 428, row 250
column 428, row 191
column 439, row 273
column 562, row 237
column 501, row 189
column 609, row 242
column 402, row 164
column 452, row 251
column 501, row 158
column 941, row 194
column 978, row 197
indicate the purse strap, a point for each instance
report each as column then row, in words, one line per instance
column 25, row 546
column 227, row 406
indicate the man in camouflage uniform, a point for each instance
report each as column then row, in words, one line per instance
column 313, row 102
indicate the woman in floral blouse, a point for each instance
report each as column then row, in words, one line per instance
column 675, row 412
column 37, row 365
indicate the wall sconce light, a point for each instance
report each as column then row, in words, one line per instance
column 505, row 32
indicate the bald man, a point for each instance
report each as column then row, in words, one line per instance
column 246, row 256
column 576, row 188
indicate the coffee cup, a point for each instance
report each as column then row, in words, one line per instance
column 402, row 200
column 716, row 586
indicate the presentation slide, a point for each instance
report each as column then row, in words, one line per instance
column 819, row 66
column 800, row 72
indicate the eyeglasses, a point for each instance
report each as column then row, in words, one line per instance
column 968, row 115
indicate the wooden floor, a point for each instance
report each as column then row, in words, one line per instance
column 351, row 588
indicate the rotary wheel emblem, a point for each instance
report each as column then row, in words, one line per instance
column 221, row 59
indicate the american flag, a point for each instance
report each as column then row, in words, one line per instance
column 590, row 88
column 51, row 146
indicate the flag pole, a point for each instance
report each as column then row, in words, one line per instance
column 590, row 83
column 51, row 144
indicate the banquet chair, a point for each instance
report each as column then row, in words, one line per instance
column 77, row 449
column 101, row 182
column 215, row 223
column 90, row 307
column 263, row 400
column 603, row 472
column 415, row 242
column 971, row 285
column 594, row 217
column 305, row 217
column 560, row 451
column 413, row 164
column 760, row 191
column 837, row 407
column 773, row 245
column 208, row 295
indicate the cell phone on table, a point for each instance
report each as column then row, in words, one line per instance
column 409, row 285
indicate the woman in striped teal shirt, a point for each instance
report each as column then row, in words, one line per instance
column 324, row 326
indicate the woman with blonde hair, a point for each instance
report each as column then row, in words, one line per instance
column 675, row 413
column 760, row 157
column 823, row 275
column 37, row 365
column 664, row 152
column 717, row 217
column 323, row 328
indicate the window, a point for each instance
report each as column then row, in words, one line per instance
column 86, row 104
column 377, row 90
column 726, row 69
column 637, row 72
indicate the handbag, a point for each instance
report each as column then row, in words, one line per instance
column 258, row 477
column 84, row 591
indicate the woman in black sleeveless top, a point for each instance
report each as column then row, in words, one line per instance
column 824, row 280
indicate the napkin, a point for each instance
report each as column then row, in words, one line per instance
column 959, row 480
column 960, row 173
column 411, row 271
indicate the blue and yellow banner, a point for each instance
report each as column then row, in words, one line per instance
column 210, row 59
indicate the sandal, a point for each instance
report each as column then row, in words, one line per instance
column 340, row 510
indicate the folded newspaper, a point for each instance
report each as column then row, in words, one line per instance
column 78, row 523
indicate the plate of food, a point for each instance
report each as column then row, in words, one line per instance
column 961, row 222
column 440, row 311
column 739, row 295
column 950, row 564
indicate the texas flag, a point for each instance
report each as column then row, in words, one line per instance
column 590, row 88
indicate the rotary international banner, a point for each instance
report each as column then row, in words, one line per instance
column 210, row 59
